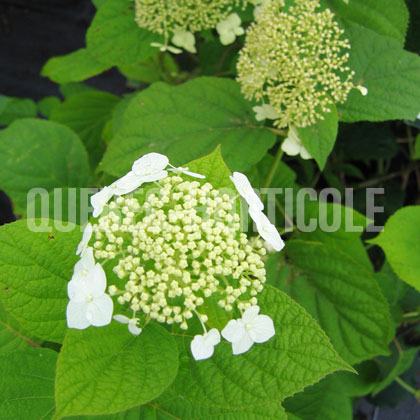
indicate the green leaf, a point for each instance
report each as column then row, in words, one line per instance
column 34, row 270
column 74, row 67
column 400, row 241
column 114, row 38
column 214, row 168
column 386, row 17
column 40, row 154
column 107, row 370
column 393, row 288
column 86, row 114
column 391, row 75
column 13, row 108
column 27, row 384
column 47, row 105
column 189, row 121
column 342, row 293
column 11, row 339
column 319, row 139
column 297, row 356
column 322, row 401
column 405, row 359
column 171, row 405
column 73, row 88
column 157, row 68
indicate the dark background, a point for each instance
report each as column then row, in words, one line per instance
column 31, row 32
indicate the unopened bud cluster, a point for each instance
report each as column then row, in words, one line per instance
column 168, row 16
column 296, row 61
column 176, row 247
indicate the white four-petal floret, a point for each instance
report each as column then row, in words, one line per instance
column 202, row 346
column 251, row 328
column 131, row 322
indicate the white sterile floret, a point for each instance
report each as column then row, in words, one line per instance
column 185, row 40
column 229, row 29
column 131, row 322
column 293, row 146
column 100, row 200
column 127, row 184
column 165, row 47
column 89, row 304
column 267, row 230
column 265, row 111
column 251, row 328
column 202, row 346
column 87, row 235
column 246, row 191
column 86, row 262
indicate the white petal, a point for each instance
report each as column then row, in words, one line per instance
column 262, row 329
column 243, row 345
column 77, row 289
column 266, row 229
column 150, row 163
column 121, row 319
column 212, row 337
column 304, row 154
column 246, row 191
column 134, row 329
column 99, row 311
column 259, row 111
column 234, row 20
column 234, row 331
column 76, row 315
column 86, row 262
column 239, row 31
column 99, row 200
column 250, row 314
column 227, row 38
column 155, row 176
column 200, row 349
column 127, row 184
column 184, row 39
column 290, row 147
column 96, row 281
column 87, row 235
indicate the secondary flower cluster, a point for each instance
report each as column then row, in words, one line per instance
column 181, row 18
column 174, row 247
column 295, row 61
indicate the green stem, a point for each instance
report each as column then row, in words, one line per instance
column 273, row 168
column 407, row 387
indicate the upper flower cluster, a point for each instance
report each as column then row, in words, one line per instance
column 175, row 248
column 295, row 60
column 179, row 19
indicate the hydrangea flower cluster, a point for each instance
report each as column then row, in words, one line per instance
column 173, row 246
column 181, row 18
column 295, row 61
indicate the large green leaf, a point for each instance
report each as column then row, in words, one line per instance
column 171, row 405
column 27, row 384
column 34, row 270
column 391, row 75
column 40, row 154
column 87, row 113
column 319, row 138
column 322, row 401
column 14, row 108
column 189, row 121
column 299, row 355
column 386, row 17
column 400, row 241
column 341, row 292
column 107, row 370
column 74, row 67
column 114, row 38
